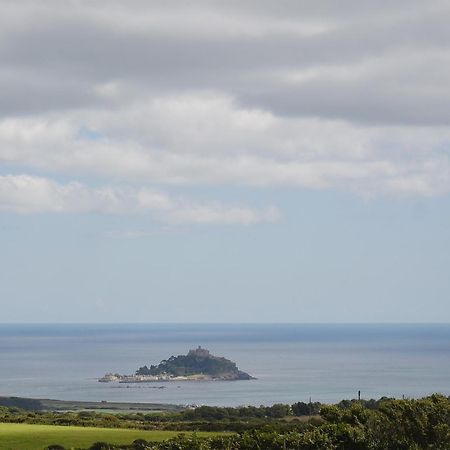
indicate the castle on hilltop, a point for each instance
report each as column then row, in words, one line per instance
column 200, row 352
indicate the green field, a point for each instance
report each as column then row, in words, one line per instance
column 18, row 436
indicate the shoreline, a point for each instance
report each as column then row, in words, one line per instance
column 133, row 379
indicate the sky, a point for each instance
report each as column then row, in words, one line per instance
column 224, row 161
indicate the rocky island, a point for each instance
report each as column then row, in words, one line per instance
column 198, row 364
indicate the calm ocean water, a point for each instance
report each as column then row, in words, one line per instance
column 292, row 362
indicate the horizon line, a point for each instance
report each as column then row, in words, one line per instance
column 224, row 323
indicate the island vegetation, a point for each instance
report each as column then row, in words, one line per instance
column 198, row 364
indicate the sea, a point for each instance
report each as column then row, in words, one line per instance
column 292, row 362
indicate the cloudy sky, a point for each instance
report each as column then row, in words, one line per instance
column 224, row 161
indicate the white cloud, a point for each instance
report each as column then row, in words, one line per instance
column 207, row 139
column 30, row 194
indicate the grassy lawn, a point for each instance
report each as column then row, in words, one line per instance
column 18, row 436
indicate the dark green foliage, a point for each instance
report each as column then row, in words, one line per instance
column 102, row 446
column 217, row 413
column 306, row 409
column 398, row 424
column 369, row 404
column 140, row 444
column 386, row 424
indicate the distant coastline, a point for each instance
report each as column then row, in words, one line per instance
column 35, row 404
